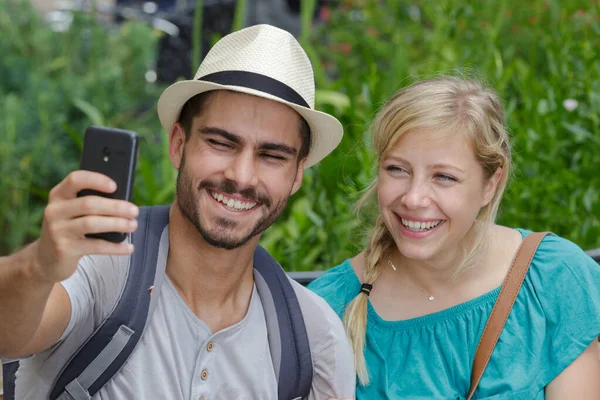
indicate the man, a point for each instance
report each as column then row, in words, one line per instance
column 241, row 134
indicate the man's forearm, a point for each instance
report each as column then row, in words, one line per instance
column 23, row 298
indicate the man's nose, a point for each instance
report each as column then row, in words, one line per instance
column 242, row 170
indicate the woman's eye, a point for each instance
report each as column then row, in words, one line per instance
column 446, row 178
column 394, row 168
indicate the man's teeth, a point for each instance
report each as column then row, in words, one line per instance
column 231, row 203
column 420, row 226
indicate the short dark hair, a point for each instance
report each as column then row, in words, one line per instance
column 196, row 104
column 306, row 138
column 191, row 109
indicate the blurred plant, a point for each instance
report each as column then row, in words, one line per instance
column 55, row 84
column 52, row 86
column 543, row 60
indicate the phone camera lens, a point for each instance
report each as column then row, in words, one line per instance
column 106, row 151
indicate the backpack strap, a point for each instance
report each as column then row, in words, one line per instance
column 105, row 352
column 288, row 340
column 504, row 303
column 9, row 375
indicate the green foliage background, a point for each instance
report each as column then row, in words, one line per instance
column 536, row 54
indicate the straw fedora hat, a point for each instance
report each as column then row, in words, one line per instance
column 264, row 61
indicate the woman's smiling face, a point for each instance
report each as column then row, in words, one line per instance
column 431, row 188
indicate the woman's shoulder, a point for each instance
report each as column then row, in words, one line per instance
column 557, row 256
column 562, row 298
column 563, row 279
column 338, row 286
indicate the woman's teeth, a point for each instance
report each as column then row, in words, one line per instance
column 231, row 203
column 420, row 226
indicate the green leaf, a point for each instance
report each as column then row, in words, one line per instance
column 581, row 134
column 542, row 107
column 589, row 198
column 332, row 98
column 92, row 112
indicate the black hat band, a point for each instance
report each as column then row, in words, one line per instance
column 262, row 83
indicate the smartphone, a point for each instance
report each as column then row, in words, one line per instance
column 112, row 152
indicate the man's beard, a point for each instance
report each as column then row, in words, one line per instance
column 222, row 235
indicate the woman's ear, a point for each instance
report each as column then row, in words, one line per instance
column 490, row 187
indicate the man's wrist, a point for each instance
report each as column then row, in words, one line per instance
column 32, row 270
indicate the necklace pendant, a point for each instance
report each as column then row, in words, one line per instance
column 391, row 264
column 431, row 298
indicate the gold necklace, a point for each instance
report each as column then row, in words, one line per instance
column 431, row 296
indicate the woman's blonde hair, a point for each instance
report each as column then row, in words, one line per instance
column 450, row 104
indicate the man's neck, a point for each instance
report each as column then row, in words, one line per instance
column 215, row 283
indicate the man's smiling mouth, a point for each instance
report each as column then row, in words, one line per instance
column 233, row 204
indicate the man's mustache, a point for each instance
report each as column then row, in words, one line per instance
column 230, row 187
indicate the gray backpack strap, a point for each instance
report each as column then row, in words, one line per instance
column 288, row 340
column 107, row 350
column 9, row 375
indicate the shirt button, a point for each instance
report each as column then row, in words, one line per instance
column 210, row 346
column 204, row 374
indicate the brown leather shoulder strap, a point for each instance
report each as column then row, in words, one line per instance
column 504, row 303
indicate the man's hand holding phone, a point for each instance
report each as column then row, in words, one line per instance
column 68, row 218
column 89, row 212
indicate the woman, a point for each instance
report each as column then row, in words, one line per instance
column 436, row 261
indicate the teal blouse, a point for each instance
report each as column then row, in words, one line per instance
column 555, row 318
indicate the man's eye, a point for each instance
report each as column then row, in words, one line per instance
column 273, row 156
column 219, row 144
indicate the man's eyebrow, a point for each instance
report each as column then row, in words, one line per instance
column 210, row 130
column 278, row 147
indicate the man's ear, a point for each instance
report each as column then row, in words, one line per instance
column 176, row 144
column 490, row 187
column 299, row 176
